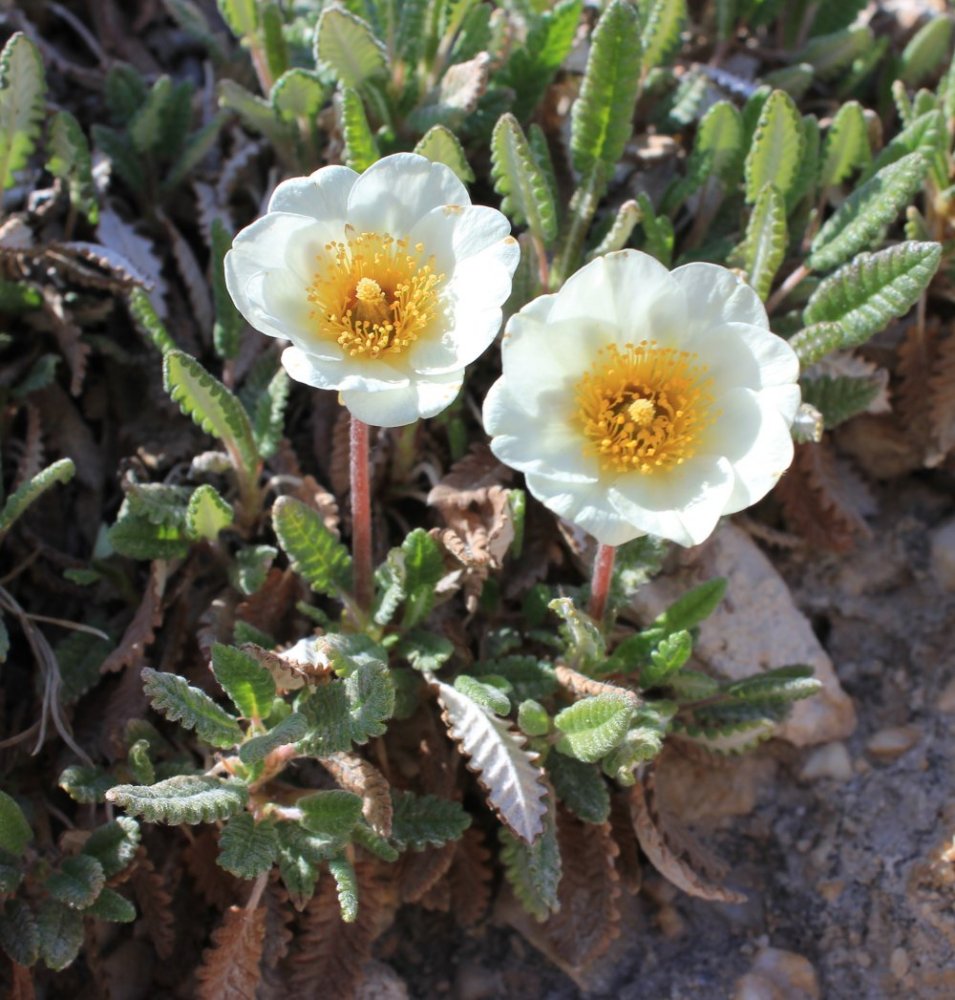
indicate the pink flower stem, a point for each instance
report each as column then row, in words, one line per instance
column 600, row 583
column 361, row 513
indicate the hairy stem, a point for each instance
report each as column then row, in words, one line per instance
column 361, row 512
column 600, row 583
column 786, row 287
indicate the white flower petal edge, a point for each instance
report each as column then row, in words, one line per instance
column 387, row 284
column 639, row 401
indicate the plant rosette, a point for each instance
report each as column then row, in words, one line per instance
column 388, row 284
column 642, row 401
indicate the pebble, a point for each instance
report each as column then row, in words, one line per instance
column 831, row 891
column 829, row 761
column 779, row 975
column 887, row 744
column 942, row 558
column 899, row 963
column 946, row 700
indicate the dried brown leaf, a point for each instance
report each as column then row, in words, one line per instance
column 670, row 848
column 469, row 478
column 941, row 406
column 628, row 850
column 138, row 255
column 154, row 901
column 469, row 878
column 231, row 966
column 437, row 898
column 68, row 337
column 422, row 870
column 31, row 451
column 268, row 607
column 278, row 918
column 141, row 631
column 215, row 884
column 197, row 287
column 361, row 777
column 586, row 687
column 21, row 983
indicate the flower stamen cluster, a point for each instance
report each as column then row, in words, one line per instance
column 644, row 408
column 374, row 294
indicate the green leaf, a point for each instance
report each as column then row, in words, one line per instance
column 332, row 815
column 247, row 849
column 291, row 729
column 207, row 513
column 534, row 869
column 145, row 129
column 60, row 932
column 18, row 932
column 298, row 95
column 719, row 142
column 592, row 727
column 78, row 882
column 692, row 685
column 425, row 651
column 248, row 684
column 70, row 160
column 256, row 114
column 22, row 104
column 251, row 567
column 314, row 552
column 86, row 785
column 657, row 229
column 138, row 537
column 814, row 342
column 693, row 607
column 662, row 24
column 863, row 296
column 228, row 324
column 59, row 472
column 423, row 570
column 525, row 192
column 114, row 844
column 777, row 147
column 642, row 743
column 196, row 147
column 184, row 798
column 299, row 856
column 580, row 787
column 583, row 638
column 140, row 764
column 144, row 315
column 242, row 17
column 111, row 907
column 273, row 39
column 15, row 832
column 764, row 248
column 346, row 46
column 926, row 134
column 268, row 419
column 926, row 51
column 490, row 698
column 847, row 145
column 440, row 145
column 420, row 821
column 532, row 718
column 830, row 54
column 361, row 149
column 528, row 676
column 125, row 162
column 839, row 397
column 175, row 698
column 669, row 656
column 346, row 884
column 601, row 118
column 212, row 407
column 861, row 220
column 618, row 235
column 784, row 684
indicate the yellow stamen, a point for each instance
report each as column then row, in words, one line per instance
column 644, row 408
column 374, row 294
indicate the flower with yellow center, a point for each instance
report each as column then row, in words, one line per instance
column 386, row 284
column 642, row 401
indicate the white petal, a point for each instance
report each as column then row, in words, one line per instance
column 342, row 374
column 397, row 407
column 739, row 354
column 586, row 507
column 716, row 295
column 321, row 195
column 469, row 334
column 785, row 399
column 682, row 504
column 757, row 440
column 455, row 232
column 394, row 193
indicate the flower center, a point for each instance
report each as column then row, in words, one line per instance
column 644, row 409
column 374, row 294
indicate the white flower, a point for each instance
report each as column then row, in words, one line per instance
column 642, row 401
column 387, row 284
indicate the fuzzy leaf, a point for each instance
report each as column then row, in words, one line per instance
column 669, row 656
column 70, row 160
column 22, row 104
column 581, row 787
column 291, row 729
column 839, row 397
column 784, row 684
column 361, row 149
column 534, row 869
column 601, row 118
column 300, row 856
column 268, row 418
column 440, row 145
column 242, row 17
column 732, row 737
column 719, row 142
column 346, row 886
column 420, row 821
column 175, row 698
column 247, row 849
column 873, row 289
column 847, row 145
column 185, row 798
column 248, row 684
column 332, row 815
column 60, row 932
column 59, row 472
column 926, row 134
column 861, row 221
column 15, row 832
column 525, row 192
column 693, row 607
column 425, row 651
column 831, row 53
column 764, row 248
column 583, row 639
column 490, row 698
column 114, row 844
column 86, row 784
column 78, row 881
column 346, row 46
column 592, row 727
column 508, row 772
column 18, row 932
column 211, row 406
column 145, row 316
column 423, row 569
column 532, row 718
column 207, row 513
column 618, row 235
column 777, row 147
column 111, row 907
column 528, row 676
column 926, row 51
column 662, row 24
column 138, row 537
column 256, row 114
column 314, row 552
column 298, row 95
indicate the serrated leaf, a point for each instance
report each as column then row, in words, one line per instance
column 19, row 937
column 18, row 501
column 425, row 651
column 534, row 869
column 583, row 639
column 733, row 738
column 361, row 149
column 490, row 698
column 925, row 134
column 581, row 787
column 847, row 145
column 420, row 821
column 111, row 907
column 114, row 844
column 863, row 296
column 22, row 104
column 593, row 726
column 508, row 772
column 157, row 503
column 212, row 407
column 528, row 676
column 784, row 684
column 525, row 192
column 861, row 220
column 332, row 815
column 669, row 656
column 251, row 566
column 145, row 128
column 207, row 513
column 346, row 46
column 247, row 849
column 184, row 798
column 179, row 702
column 423, row 570
column 719, row 142
column 145, row 316
column 15, row 832
column 140, row 764
column 839, row 397
column 242, row 17
column 268, row 418
column 314, row 552
column 660, row 36
column 926, row 51
column 256, row 114
column 440, row 145
column 78, row 882
column 693, row 607
column 618, row 235
column 777, row 147
column 601, row 118
column 814, row 342
column 291, row 729
column 70, row 160
column 657, row 229
column 195, row 148
column 764, row 248
column 136, row 536
column 86, row 784
column 299, row 856
column 346, row 886
column 60, row 933
column 298, row 95
column 830, row 54
column 247, row 683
